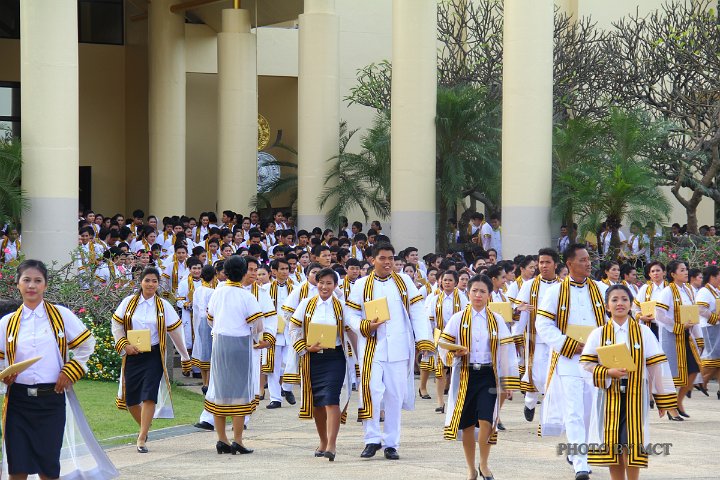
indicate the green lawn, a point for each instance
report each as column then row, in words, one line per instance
column 98, row 402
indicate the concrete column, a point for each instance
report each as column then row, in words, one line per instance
column 50, row 128
column 318, row 105
column 166, row 108
column 413, row 106
column 237, row 112
column 527, row 126
column 568, row 6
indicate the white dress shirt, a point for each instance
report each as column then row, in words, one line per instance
column 479, row 342
column 37, row 338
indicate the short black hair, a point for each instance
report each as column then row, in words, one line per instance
column 572, row 249
column 208, row 273
column 549, row 252
column 380, row 246
column 326, row 272
column 235, row 268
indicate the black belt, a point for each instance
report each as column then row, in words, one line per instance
column 623, row 385
column 39, row 390
column 479, row 366
column 333, row 348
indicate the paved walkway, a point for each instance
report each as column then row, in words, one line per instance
column 284, row 445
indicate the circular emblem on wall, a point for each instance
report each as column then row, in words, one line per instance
column 268, row 172
column 263, row 132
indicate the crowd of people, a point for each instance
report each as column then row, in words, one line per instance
column 241, row 297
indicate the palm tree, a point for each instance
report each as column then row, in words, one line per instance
column 468, row 152
column 612, row 179
column 12, row 197
column 359, row 180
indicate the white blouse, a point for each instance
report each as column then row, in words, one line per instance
column 233, row 310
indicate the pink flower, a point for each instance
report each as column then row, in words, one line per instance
column 662, row 249
column 714, row 262
column 673, row 256
column 82, row 310
column 0, row 275
column 706, row 264
column 96, row 297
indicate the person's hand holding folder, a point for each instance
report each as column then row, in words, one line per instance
column 617, row 372
column 314, row 348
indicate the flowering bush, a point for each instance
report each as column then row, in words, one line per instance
column 698, row 252
column 94, row 307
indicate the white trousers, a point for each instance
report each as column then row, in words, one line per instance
column 274, row 377
column 388, row 386
column 187, row 328
column 541, row 358
column 577, row 404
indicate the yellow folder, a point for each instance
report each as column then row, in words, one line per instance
column 616, row 356
column 139, row 339
column 503, row 309
column 281, row 324
column 322, row 333
column 449, row 346
column 377, row 308
column 690, row 313
column 579, row 332
column 648, row 308
column 18, row 367
column 436, row 335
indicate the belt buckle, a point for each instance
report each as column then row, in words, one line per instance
column 32, row 392
column 477, row 366
column 622, row 388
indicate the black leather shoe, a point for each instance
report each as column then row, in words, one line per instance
column 392, row 454
column 290, row 397
column 196, row 375
column 652, row 404
column 274, row 404
column 236, row 447
column 319, row 453
column 204, row 426
column 425, row 396
column 370, row 450
column 500, row 426
column 484, row 477
column 282, row 393
column 683, row 414
column 223, row 447
column 142, row 449
column 330, row 456
column 582, row 476
column 440, row 409
column 204, row 390
column 689, row 394
column 529, row 414
column 674, row 419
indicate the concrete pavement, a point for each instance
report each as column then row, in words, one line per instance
column 284, row 447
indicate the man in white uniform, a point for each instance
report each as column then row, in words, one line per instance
column 577, row 300
column 387, row 349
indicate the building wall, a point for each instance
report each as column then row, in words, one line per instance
column 102, row 116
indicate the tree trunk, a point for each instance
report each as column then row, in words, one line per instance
column 442, row 240
column 692, row 220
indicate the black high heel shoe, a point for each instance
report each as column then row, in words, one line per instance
column 482, row 476
column 222, row 447
column 683, row 414
column 142, row 448
column 674, row 419
column 702, row 389
column 440, row 409
column 319, row 453
column 330, row 456
column 424, row 397
column 236, row 447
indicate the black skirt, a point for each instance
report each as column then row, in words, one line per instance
column 480, row 398
column 34, row 428
column 143, row 374
column 692, row 366
column 622, row 421
column 327, row 375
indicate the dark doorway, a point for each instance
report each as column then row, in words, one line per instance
column 85, row 194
